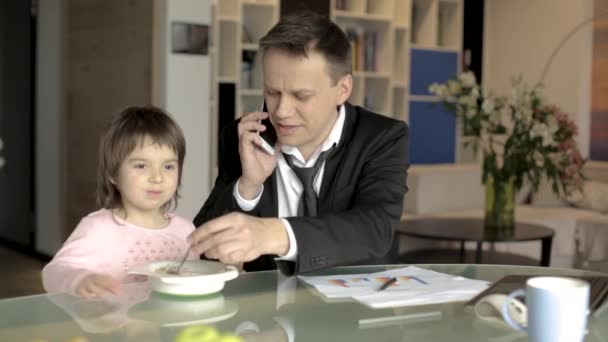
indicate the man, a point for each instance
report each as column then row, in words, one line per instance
column 259, row 211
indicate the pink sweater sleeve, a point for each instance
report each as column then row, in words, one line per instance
column 75, row 260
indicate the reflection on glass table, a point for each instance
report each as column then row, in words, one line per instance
column 265, row 306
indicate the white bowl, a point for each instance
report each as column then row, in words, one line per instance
column 198, row 277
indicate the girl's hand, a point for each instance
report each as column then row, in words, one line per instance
column 96, row 285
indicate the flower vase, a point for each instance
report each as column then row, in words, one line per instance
column 500, row 209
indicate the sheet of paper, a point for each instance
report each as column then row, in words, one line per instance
column 343, row 286
column 414, row 286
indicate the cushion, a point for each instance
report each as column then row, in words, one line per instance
column 596, row 170
column 443, row 187
column 544, row 197
column 594, row 196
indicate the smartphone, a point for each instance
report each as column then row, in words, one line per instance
column 269, row 136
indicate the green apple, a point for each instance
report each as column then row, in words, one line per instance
column 78, row 339
column 200, row 333
column 229, row 338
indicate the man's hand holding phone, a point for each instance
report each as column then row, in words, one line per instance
column 269, row 136
column 257, row 164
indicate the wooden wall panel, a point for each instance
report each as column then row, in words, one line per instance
column 108, row 67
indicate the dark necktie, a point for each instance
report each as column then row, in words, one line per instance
column 308, row 200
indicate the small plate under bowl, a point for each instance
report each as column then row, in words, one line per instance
column 168, row 311
column 197, row 277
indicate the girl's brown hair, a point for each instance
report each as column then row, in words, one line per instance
column 124, row 133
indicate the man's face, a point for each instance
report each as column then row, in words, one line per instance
column 301, row 98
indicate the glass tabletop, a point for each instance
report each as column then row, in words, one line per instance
column 264, row 306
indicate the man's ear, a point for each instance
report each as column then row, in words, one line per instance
column 345, row 88
column 112, row 180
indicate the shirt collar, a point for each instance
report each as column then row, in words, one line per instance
column 332, row 139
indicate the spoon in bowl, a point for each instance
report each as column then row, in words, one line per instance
column 174, row 270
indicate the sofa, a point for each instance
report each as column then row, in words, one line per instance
column 455, row 190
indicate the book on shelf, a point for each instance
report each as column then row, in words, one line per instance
column 353, row 37
column 364, row 49
column 370, row 38
column 415, row 29
column 247, row 65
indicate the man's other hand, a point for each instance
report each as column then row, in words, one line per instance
column 237, row 237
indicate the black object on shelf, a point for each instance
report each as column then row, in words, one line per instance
column 318, row 6
column 226, row 109
column 472, row 37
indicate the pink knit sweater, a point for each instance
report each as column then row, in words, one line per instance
column 103, row 243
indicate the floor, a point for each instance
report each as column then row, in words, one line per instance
column 20, row 274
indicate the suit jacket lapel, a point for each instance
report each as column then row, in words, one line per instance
column 269, row 204
column 332, row 164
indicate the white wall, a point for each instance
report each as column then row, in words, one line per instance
column 519, row 37
column 181, row 86
column 49, row 108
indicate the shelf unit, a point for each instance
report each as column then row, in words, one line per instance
column 241, row 24
column 237, row 76
column 435, row 56
column 401, row 25
column 382, row 41
column 414, row 43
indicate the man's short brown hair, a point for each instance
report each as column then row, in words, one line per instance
column 300, row 32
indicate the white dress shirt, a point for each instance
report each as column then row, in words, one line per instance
column 289, row 187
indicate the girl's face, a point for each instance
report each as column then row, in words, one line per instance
column 147, row 178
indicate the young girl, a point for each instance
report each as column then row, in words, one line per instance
column 140, row 167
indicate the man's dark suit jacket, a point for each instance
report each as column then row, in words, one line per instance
column 360, row 200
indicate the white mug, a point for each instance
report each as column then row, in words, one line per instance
column 557, row 309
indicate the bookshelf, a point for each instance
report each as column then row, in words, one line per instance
column 236, row 80
column 410, row 44
column 419, row 42
column 378, row 33
column 240, row 25
column 435, row 56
